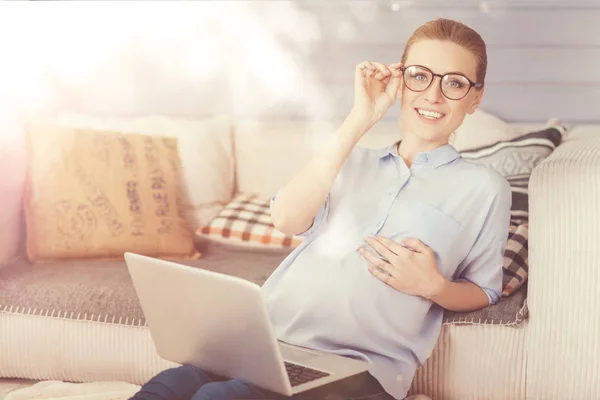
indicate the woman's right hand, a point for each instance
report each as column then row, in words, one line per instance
column 375, row 90
column 299, row 202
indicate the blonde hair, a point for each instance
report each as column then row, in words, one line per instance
column 455, row 32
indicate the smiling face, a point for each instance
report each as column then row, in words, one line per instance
column 429, row 115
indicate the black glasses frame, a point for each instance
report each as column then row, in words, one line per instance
column 471, row 83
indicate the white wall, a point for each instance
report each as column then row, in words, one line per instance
column 543, row 56
column 285, row 58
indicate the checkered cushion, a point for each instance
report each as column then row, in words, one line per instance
column 246, row 220
column 516, row 264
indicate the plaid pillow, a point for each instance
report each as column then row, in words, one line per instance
column 516, row 264
column 246, row 220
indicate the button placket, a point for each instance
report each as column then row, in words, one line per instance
column 391, row 197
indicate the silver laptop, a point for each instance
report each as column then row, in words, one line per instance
column 220, row 323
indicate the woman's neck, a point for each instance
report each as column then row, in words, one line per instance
column 411, row 145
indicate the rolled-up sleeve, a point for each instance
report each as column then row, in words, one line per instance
column 483, row 265
column 317, row 221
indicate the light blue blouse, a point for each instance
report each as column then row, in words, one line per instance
column 322, row 295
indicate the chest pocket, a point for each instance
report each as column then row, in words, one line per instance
column 421, row 221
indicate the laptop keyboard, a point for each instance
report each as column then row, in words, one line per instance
column 299, row 374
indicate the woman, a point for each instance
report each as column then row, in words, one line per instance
column 393, row 236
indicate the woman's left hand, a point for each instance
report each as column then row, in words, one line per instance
column 414, row 272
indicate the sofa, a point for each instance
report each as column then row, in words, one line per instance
column 78, row 320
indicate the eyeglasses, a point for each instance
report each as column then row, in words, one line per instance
column 453, row 86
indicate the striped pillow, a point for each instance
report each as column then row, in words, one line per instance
column 515, row 160
column 246, row 220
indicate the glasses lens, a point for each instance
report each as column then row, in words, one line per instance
column 417, row 78
column 455, row 86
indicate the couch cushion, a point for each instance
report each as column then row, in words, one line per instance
column 509, row 311
column 269, row 153
column 102, row 290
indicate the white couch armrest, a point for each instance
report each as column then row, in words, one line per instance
column 564, row 278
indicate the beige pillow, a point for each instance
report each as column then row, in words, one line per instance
column 205, row 148
column 94, row 194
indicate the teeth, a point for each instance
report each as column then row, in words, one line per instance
column 430, row 114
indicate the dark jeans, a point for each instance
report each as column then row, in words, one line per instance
column 191, row 383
